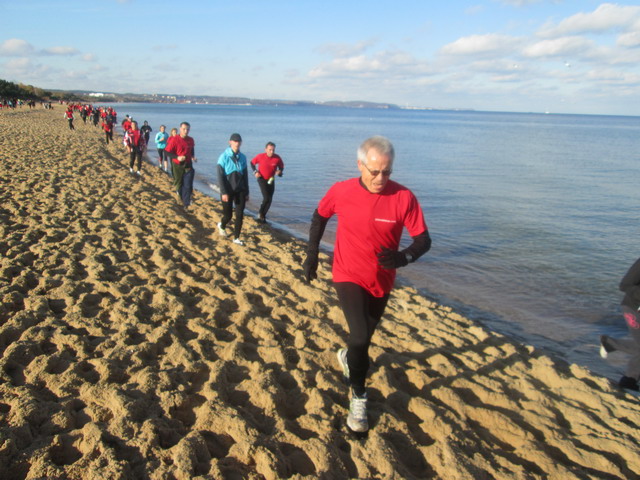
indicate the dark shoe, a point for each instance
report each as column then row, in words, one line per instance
column 629, row 383
column 605, row 346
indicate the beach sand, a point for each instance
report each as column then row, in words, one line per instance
column 137, row 343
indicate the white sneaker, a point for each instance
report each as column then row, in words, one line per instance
column 605, row 349
column 237, row 241
column 357, row 419
column 221, row 230
column 139, row 173
column 131, row 170
column 342, row 360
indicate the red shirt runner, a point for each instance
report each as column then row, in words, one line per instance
column 367, row 222
column 267, row 166
column 181, row 147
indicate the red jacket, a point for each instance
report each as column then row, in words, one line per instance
column 178, row 147
column 135, row 139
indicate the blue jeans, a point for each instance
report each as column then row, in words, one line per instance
column 186, row 188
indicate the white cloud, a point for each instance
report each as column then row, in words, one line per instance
column 631, row 39
column 498, row 66
column 25, row 68
column 15, row 47
column 385, row 63
column 614, row 77
column 559, row 47
column 607, row 17
column 491, row 43
column 63, row 51
column 18, row 65
column 345, row 50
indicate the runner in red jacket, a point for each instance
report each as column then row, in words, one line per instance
column 265, row 167
column 372, row 212
column 134, row 139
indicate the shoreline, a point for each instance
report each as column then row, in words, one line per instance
column 560, row 325
column 138, row 343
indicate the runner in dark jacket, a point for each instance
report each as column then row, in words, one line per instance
column 630, row 285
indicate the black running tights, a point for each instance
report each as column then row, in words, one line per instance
column 363, row 312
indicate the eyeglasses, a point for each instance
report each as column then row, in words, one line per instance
column 375, row 173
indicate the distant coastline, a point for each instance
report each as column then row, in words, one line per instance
column 14, row 93
column 110, row 97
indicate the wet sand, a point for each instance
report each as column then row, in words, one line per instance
column 137, row 343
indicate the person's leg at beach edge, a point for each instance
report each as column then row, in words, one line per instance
column 267, row 191
column 631, row 346
column 139, row 158
column 178, row 173
column 237, row 227
column 632, row 373
column 362, row 312
column 186, row 189
column 227, row 214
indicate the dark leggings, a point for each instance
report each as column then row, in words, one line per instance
column 267, row 195
column 227, row 212
column 363, row 312
column 135, row 154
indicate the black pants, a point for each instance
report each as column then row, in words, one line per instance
column 239, row 200
column 135, row 154
column 363, row 312
column 267, row 195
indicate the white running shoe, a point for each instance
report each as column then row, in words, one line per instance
column 603, row 352
column 342, row 360
column 237, row 241
column 131, row 170
column 221, row 230
column 139, row 173
column 357, row 419
column 605, row 349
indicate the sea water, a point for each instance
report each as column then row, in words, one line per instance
column 534, row 218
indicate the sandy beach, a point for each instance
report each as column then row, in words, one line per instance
column 136, row 343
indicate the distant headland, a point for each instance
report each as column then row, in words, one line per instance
column 10, row 90
column 221, row 100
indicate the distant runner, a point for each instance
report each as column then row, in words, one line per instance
column 69, row 116
column 181, row 150
column 269, row 164
column 161, row 143
column 136, row 145
column 233, row 181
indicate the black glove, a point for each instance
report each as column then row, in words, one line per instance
column 310, row 266
column 391, row 259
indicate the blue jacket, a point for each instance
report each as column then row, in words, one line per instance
column 233, row 176
column 161, row 140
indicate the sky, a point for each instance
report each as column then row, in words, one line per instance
column 557, row 56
